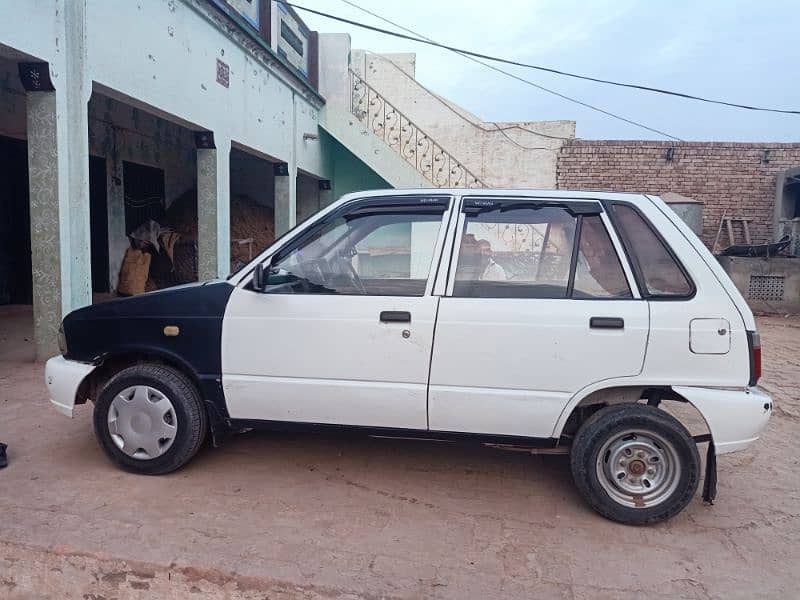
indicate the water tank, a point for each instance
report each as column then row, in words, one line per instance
column 688, row 209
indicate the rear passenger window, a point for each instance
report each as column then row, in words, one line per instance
column 598, row 272
column 661, row 273
column 521, row 252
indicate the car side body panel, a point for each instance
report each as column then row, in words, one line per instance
column 327, row 359
column 669, row 354
column 511, row 365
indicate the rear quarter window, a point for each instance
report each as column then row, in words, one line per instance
column 661, row 274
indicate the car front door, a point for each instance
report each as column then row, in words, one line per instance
column 538, row 306
column 342, row 333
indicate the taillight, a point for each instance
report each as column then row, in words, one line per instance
column 754, row 342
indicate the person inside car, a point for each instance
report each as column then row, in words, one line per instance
column 488, row 269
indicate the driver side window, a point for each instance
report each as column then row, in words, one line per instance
column 387, row 251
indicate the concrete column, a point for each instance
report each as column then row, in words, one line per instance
column 285, row 200
column 286, row 183
column 72, row 92
column 214, row 211
column 58, row 165
column 117, row 239
column 49, row 277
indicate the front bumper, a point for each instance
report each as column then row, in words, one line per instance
column 63, row 377
column 735, row 417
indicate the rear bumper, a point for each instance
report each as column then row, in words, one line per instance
column 63, row 377
column 735, row 418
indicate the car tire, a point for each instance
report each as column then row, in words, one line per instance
column 149, row 419
column 635, row 464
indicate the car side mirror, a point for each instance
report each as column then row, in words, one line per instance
column 260, row 275
column 258, row 278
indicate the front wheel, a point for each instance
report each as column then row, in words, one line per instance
column 150, row 419
column 635, row 464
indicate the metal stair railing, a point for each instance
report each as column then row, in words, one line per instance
column 415, row 146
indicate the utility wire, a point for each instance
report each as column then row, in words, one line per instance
column 513, row 76
column 541, row 68
column 501, row 130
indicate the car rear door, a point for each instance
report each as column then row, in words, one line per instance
column 539, row 304
column 344, row 333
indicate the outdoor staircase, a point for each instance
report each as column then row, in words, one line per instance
column 427, row 157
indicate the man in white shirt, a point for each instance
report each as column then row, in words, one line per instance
column 488, row 269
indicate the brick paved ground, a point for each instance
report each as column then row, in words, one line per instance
column 303, row 516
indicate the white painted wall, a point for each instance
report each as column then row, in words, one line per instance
column 170, row 49
column 40, row 38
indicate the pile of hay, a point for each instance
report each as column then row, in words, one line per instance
column 249, row 221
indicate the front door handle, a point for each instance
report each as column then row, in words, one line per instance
column 395, row 316
column 606, row 323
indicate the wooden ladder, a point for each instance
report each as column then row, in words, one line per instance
column 728, row 223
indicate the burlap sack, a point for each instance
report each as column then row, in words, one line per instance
column 133, row 273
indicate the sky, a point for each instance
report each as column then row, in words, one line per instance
column 745, row 52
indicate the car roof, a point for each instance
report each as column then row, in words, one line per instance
column 503, row 192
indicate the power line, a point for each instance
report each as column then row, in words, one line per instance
column 541, row 68
column 527, row 82
column 502, row 130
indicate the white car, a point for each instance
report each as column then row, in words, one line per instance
column 542, row 319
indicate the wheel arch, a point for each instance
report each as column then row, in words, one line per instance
column 120, row 358
column 612, row 393
column 208, row 387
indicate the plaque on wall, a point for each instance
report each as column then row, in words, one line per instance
column 249, row 10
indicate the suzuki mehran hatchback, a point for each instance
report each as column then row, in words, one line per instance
column 553, row 320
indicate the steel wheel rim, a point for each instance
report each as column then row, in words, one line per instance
column 142, row 422
column 638, row 469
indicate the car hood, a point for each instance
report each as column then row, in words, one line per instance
column 137, row 324
column 178, row 300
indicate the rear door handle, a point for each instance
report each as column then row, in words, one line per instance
column 606, row 323
column 395, row 316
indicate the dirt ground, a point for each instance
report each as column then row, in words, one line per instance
column 308, row 516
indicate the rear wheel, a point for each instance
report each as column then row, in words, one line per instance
column 150, row 419
column 635, row 464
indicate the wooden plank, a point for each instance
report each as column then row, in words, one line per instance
column 746, row 231
column 719, row 232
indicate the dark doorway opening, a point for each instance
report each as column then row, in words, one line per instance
column 16, row 285
column 144, row 194
column 252, row 206
column 98, row 223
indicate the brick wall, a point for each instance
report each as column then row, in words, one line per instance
column 723, row 175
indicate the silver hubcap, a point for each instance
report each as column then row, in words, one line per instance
column 142, row 422
column 638, row 469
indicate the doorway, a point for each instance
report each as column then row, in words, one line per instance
column 15, row 223
column 98, row 224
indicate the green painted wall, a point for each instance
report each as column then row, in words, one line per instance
column 349, row 173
